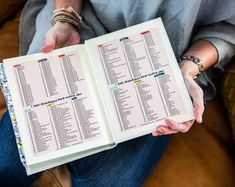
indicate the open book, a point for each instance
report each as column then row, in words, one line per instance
column 83, row 99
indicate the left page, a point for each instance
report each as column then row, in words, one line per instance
column 55, row 104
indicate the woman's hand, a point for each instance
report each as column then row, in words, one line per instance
column 196, row 93
column 60, row 35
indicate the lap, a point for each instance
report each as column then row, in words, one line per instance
column 128, row 164
column 12, row 171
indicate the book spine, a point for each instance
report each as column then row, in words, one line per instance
column 8, row 99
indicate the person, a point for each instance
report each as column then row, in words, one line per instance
column 200, row 29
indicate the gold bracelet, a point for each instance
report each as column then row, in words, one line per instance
column 67, row 15
column 64, row 19
column 70, row 10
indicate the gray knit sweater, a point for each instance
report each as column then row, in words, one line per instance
column 185, row 21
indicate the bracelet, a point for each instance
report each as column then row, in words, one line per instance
column 67, row 15
column 65, row 19
column 70, row 10
column 195, row 60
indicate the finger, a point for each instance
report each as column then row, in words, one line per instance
column 163, row 130
column 50, row 41
column 198, row 109
column 196, row 94
column 179, row 127
column 198, row 105
column 156, row 133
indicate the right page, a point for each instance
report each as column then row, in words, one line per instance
column 139, row 80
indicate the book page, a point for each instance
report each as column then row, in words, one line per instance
column 56, row 103
column 141, row 80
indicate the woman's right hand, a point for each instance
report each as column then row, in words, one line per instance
column 60, row 35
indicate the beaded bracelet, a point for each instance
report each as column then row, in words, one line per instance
column 195, row 60
column 67, row 15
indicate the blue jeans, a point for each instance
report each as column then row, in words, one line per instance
column 128, row 164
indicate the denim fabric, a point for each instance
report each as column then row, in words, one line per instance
column 126, row 165
column 12, row 172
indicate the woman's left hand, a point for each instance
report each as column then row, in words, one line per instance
column 172, row 127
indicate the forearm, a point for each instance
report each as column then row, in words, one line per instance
column 75, row 4
column 205, row 51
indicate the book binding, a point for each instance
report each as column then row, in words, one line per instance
column 8, row 100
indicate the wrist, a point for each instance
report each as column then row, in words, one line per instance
column 201, row 50
column 189, row 68
column 65, row 26
column 191, row 65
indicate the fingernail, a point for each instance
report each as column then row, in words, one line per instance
column 155, row 133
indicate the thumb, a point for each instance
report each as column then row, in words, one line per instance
column 49, row 44
column 196, row 94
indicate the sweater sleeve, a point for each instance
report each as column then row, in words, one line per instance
column 222, row 36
